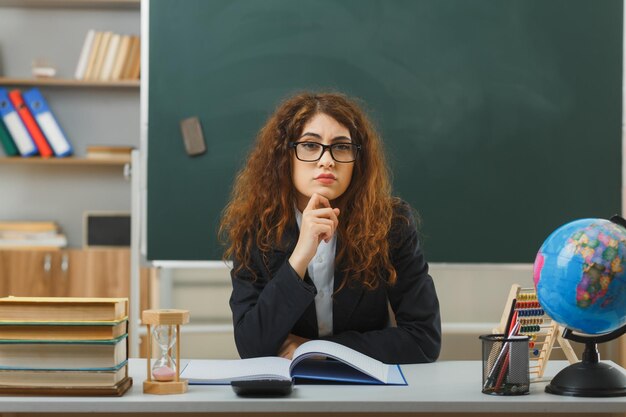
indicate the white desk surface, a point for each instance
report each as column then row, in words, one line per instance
column 442, row 387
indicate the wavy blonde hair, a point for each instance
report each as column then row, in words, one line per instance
column 262, row 202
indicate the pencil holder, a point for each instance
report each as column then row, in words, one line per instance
column 505, row 365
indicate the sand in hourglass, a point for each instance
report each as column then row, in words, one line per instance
column 164, row 374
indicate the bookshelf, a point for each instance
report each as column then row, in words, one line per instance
column 130, row 4
column 90, row 113
column 61, row 161
column 59, row 82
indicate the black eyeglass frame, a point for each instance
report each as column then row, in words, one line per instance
column 293, row 145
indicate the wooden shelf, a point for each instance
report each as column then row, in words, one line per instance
column 87, row 4
column 59, row 82
column 60, row 161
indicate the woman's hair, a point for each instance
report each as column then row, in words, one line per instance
column 263, row 197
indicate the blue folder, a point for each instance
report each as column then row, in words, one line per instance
column 48, row 124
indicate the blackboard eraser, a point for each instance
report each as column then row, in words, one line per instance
column 193, row 138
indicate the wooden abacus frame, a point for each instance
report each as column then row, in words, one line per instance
column 548, row 332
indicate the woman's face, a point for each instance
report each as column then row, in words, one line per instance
column 326, row 176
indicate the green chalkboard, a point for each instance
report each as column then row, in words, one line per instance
column 501, row 118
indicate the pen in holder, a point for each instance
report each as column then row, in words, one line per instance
column 505, row 365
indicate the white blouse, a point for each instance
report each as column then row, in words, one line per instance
column 322, row 273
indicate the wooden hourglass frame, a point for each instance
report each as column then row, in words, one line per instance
column 173, row 319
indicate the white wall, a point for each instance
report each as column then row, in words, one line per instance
column 472, row 299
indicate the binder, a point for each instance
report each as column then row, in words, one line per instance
column 31, row 125
column 48, row 123
column 7, row 143
column 15, row 126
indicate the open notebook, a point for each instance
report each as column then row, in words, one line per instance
column 316, row 360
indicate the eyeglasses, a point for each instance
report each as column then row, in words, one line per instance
column 313, row 151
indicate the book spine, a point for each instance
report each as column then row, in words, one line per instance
column 109, row 59
column 102, row 51
column 93, row 53
column 42, row 226
column 84, row 55
column 136, row 68
column 129, row 64
column 120, row 58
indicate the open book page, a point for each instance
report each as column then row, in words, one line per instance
column 214, row 371
column 363, row 363
column 348, row 366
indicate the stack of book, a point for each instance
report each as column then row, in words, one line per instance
column 108, row 56
column 28, row 127
column 31, row 235
column 110, row 152
column 64, row 346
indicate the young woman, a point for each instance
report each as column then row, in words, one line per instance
column 320, row 248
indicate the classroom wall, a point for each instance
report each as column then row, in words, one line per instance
column 472, row 299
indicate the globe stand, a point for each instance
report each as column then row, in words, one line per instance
column 590, row 377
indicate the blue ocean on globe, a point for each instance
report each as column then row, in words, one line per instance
column 580, row 277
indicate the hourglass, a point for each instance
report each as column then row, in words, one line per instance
column 164, row 328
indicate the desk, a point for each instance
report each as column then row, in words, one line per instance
column 441, row 387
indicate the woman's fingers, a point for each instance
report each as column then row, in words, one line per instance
column 319, row 222
column 323, row 229
column 317, row 201
column 289, row 346
column 324, row 213
column 319, row 208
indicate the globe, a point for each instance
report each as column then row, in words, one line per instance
column 580, row 281
column 580, row 276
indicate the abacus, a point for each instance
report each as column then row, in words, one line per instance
column 524, row 316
